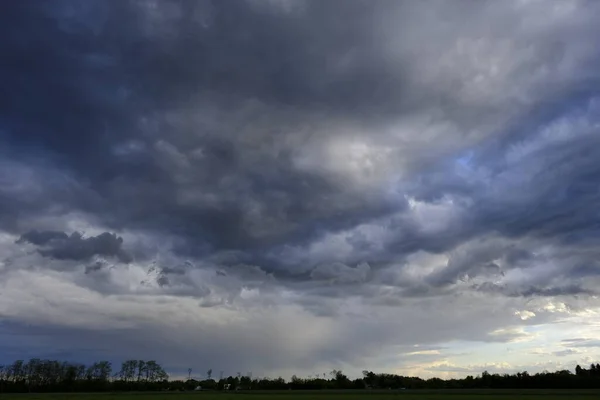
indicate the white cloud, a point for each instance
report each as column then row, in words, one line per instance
column 525, row 314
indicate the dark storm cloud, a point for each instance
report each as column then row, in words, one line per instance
column 301, row 65
column 115, row 108
column 60, row 97
column 60, row 246
column 112, row 72
column 97, row 266
column 162, row 274
column 226, row 129
column 568, row 290
column 41, row 238
column 534, row 291
column 557, row 197
column 291, row 178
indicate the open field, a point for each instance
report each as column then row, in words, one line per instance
column 330, row 395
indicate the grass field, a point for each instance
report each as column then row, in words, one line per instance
column 306, row 395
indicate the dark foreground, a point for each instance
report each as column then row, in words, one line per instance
column 329, row 395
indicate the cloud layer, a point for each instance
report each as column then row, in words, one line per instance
column 295, row 186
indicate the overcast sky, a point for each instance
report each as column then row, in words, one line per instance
column 285, row 187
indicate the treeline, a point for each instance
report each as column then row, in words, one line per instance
column 38, row 375
column 137, row 375
column 563, row 379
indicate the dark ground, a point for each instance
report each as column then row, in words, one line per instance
column 328, row 395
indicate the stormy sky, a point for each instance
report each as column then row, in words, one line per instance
column 285, row 187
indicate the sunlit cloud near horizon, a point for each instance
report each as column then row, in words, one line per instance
column 291, row 187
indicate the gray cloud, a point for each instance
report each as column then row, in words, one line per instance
column 421, row 162
column 341, row 273
column 287, row 89
column 75, row 247
column 41, row 238
column 563, row 353
column 531, row 291
column 581, row 342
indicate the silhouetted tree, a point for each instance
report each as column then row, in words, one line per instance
column 39, row 375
